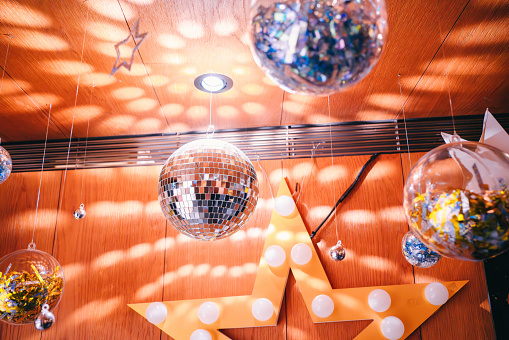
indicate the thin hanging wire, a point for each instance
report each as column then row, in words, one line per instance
column 332, row 166
column 266, row 177
column 31, row 245
column 404, row 121
column 86, row 146
column 210, row 128
column 73, row 115
column 305, row 180
column 5, row 61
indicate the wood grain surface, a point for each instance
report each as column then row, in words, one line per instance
column 190, row 38
column 125, row 252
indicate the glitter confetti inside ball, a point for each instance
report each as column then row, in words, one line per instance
column 416, row 252
column 317, row 47
column 5, row 165
column 28, row 280
column 208, row 189
column 456, row 200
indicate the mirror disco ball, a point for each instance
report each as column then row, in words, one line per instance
column 208, row 189
column 456, row 200
column 317, row 47
column 5, row 165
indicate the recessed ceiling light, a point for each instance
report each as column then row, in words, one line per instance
column 213, row 83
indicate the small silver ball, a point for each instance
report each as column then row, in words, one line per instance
column 45, row 320
column 80, row 212
column 337, row 253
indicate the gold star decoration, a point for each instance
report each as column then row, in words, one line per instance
column 408, row 303
column 138, row 39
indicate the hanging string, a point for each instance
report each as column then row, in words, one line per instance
column 266, row 177
column 5, row 61
column 210, row 128
column 313, row 150
column 332, row 165
column 404, row 121
column 31, row 245
column 86, row 145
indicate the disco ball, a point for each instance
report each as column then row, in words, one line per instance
column 456, row 200
column 29, row 279
column 416, row 253
column 317, row 47
column 5, row 165
column 208, row 189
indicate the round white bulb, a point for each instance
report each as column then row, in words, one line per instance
column 156, row 312
column 213, row 83
column 201, row 334
column 392, row 328
column 208, row 313
column 284, row 205
column 322, row 306
column 275, row 256
column 379, row 300
column 301, row 254
column 262, row 309
column 436, row 293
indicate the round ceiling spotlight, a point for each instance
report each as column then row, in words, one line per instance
column 213, row 83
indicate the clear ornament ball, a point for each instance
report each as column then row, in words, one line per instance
column 456, row 200
column 45, row 320
column 5, row 165
column 29, row 279
column 80, row 212
column 208, row 189
column 337, row 252
column 317, row 47
column 416, row 252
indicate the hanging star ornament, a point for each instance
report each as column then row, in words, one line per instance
column 138, row 39
column 396, row 310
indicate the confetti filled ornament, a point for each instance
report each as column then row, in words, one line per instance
column 317, row 47
column 80, row 212
column 5, row 165
column 208, row 189
column 416, row 252
column 456, row 200
column 337, row 252
column 45, row 320
column 29, row 279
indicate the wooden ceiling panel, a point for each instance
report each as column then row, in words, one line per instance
column 190, row 38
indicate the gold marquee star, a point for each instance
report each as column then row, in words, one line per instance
column 135, row 33
column 408, row 302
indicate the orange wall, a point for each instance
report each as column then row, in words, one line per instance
column 125, row 252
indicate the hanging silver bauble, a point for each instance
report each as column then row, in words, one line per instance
column 208, row 189
column 45, row 320
column 80, row 212
column 5, row 165
column 337, row 253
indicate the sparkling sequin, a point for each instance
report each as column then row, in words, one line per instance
column 208, row 189
column 317, row 47
column 416, row 252
column 5, row 165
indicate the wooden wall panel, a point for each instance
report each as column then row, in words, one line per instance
column 18, row 199
column 124, row 251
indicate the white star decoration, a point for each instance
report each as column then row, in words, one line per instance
column 408, row 305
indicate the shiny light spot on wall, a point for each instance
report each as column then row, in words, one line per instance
column 374, row 115
column 151, row 208
column 294, row 108
column 320, row 211
column 218, row 271
column 385, row 100
column 252, row 89
column 171, row 41
column 302, row 171
column 108, row 259
column 93, row 311
column 235, row 271
column 332, row 173
column 250, row 268
column 107, row 32
column 23, row 15
column 118, row 122
column 173, row 110
column 177, row 127
column 73, row 271
column 172, row 58
column 201, row 269
column 37, row 41
column 197, row 112
column 191, row 29
column 393, row 214
column 226, row 27
column 125, row 93
column 66, row 67
column 253, row 108
column 358, row 216
column 179, row 88
column 9, row 87
column 378, row 263
column 81, row 113
column 164, row 243
column 227, row 112
column 188, row 71
column 139, row 250
column 99, row 79
column 112, row 10
column 141, row 105
column 185, row 270
column 149, row 125
column 146, row 291
column 156, row 80
column 254, row 232
column 45, row 98
column 240, row 70
column 238, row 236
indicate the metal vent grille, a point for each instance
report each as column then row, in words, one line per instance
column 275, row 142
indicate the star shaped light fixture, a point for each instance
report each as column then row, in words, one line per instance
column 138, row 39
column 396, row 310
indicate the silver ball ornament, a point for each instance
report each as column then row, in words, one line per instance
column 45, row 320
column 5, row 165
column 338, row 252
column 208, row 189
column 80, row 212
